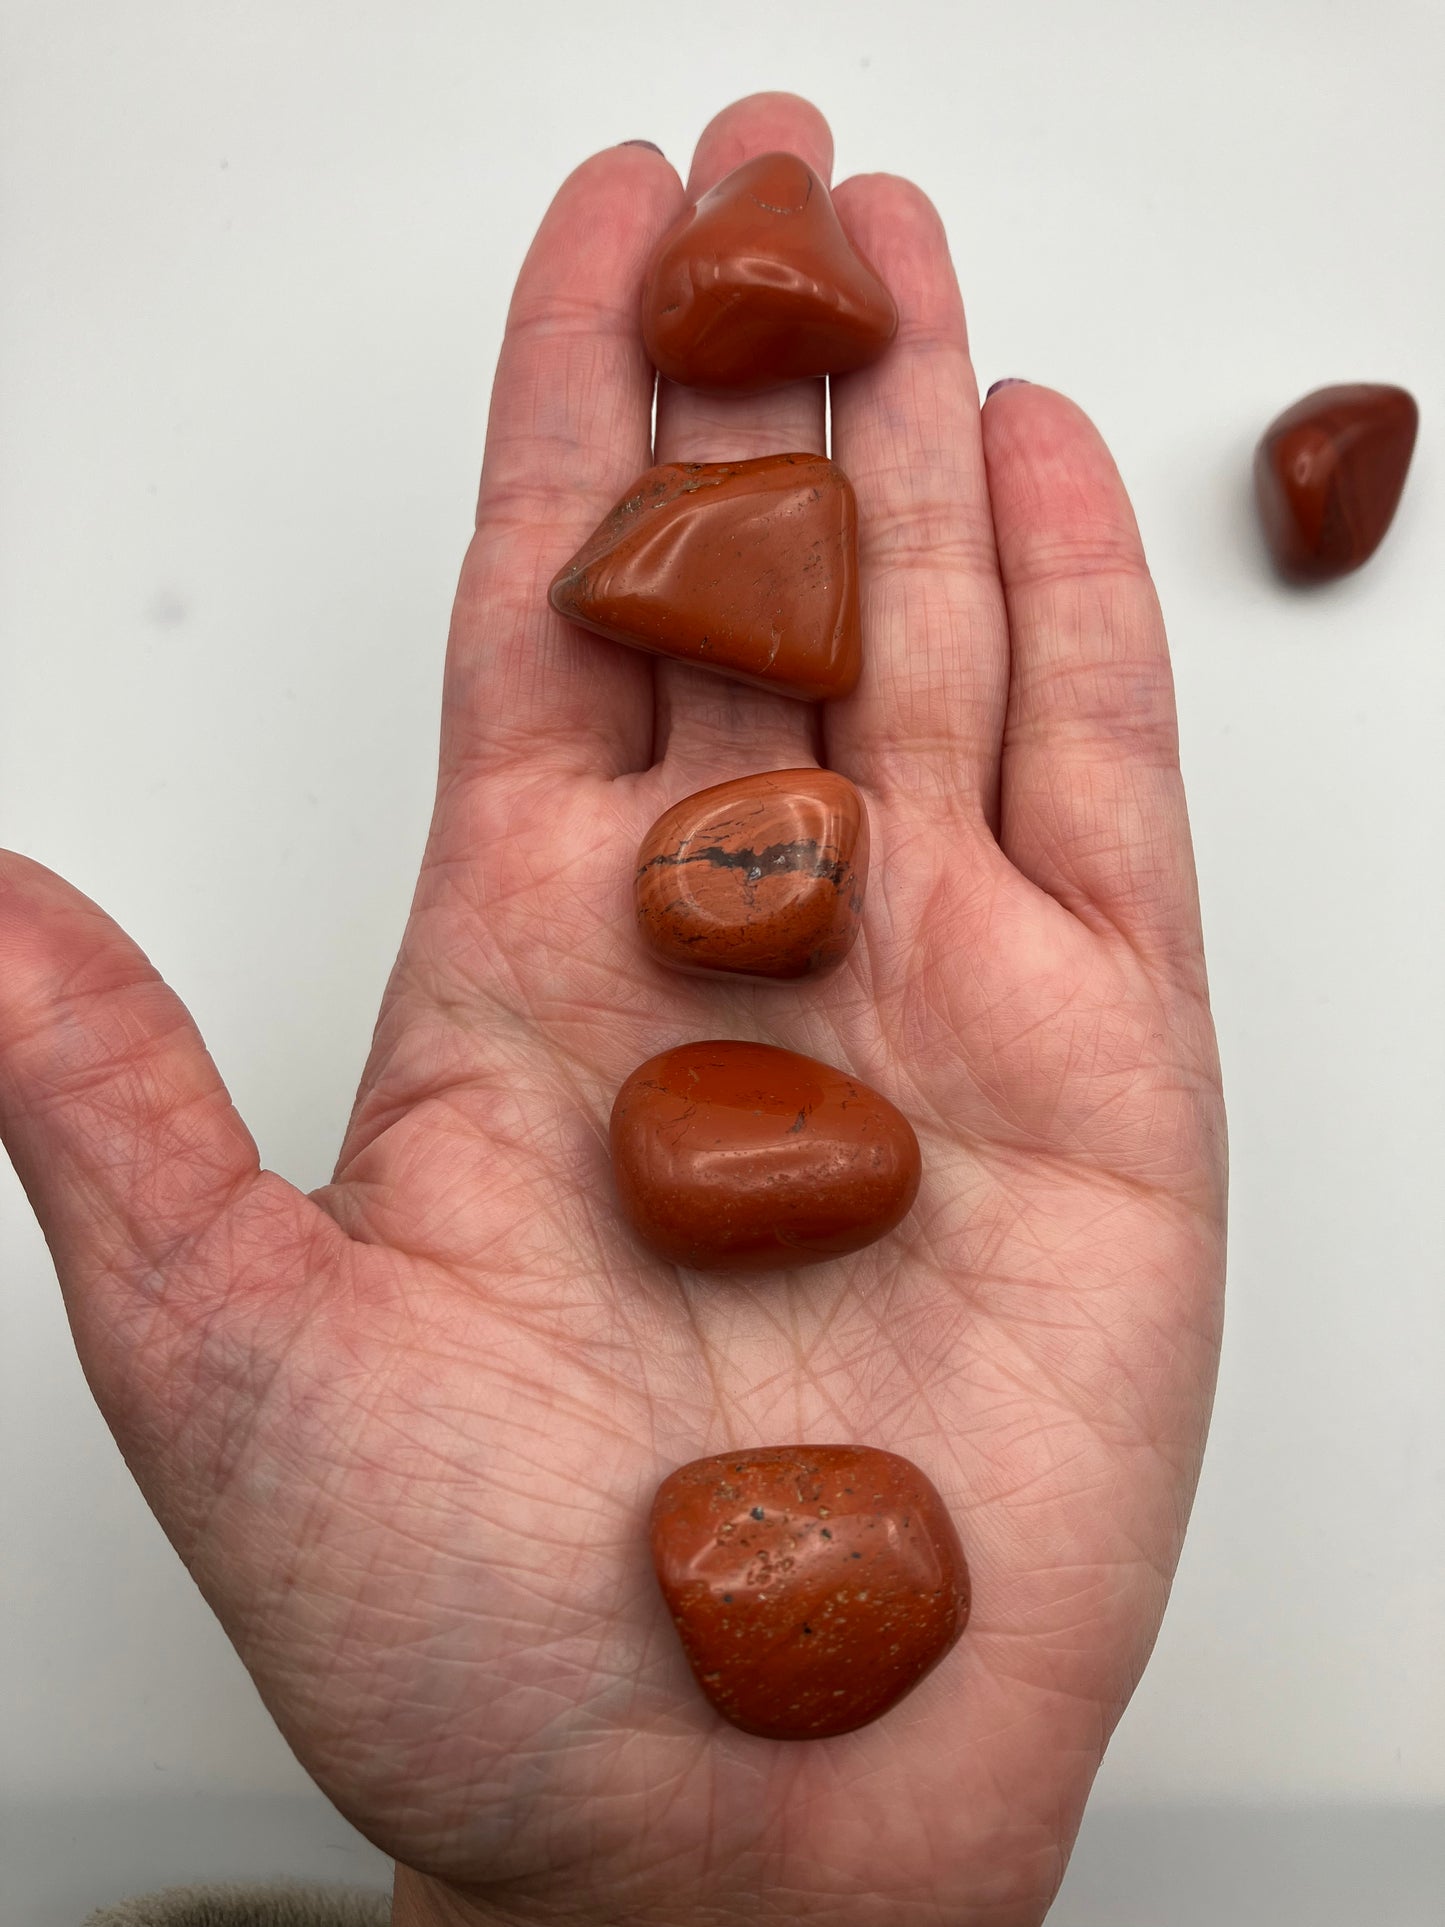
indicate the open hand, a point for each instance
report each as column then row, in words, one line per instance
column 404, row 1432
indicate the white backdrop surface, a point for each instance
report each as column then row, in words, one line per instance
column 254, row 267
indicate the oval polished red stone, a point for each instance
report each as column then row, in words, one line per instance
column 762, row 876
column 731, row 1156
column 1328, row 477
column 756, row 284
column 812, row 1586
column 746, row 568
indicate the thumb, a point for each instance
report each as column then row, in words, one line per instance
column 113, row 1113
column 146, row 1183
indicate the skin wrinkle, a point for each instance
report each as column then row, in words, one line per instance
column 77, row 1057
column 472, row 1082
column 556, row 317
column 925, row 533
column 508, row 514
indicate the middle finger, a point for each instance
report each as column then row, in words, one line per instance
column 708, row 728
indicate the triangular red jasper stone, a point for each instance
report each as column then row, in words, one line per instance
column 1329, row 473
column 757, row 285
column 746, row 568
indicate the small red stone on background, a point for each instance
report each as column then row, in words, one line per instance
column 1328, row 476
column 756, row 285
column 759, row 877
column 749, row 569
column 812, row 1586
column 730, row 1156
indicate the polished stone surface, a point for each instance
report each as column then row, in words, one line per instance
column 812, row 1586
column 746, row 568
column 762, row 876
column 1328, row 476
column 731, row 1156
column 757, row 284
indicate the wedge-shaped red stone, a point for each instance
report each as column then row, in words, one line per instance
column 747, row 568
column 759, row 877
column 1328, row 476
column 812, row 1586
column 757, row 285
column 731, row 1156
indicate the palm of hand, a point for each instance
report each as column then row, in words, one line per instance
column 405, row 1433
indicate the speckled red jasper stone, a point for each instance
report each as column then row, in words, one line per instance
column 1328, row 475
column 762, row 876
column 756, row 284
column 812, row 1586
column 730, row 1156
column 749, row 569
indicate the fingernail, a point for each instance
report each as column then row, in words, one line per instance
column 1009, row 381
column 652, row 144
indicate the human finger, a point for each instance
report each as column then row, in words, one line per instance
column 706, row 726
column 928, row 713
column 570, row 427
column 1092, row 798
column 174, row 1249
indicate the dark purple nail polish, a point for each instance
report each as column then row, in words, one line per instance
column 652, row 144
column 1009, row 381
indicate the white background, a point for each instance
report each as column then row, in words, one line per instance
column 255, row 263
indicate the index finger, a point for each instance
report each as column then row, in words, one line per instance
column 570, row 427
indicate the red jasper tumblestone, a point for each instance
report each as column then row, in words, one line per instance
column 812, row 1586
column 731, row 1156
column 759, row 877
column 1328, row 476
column 749, row 569
column 756, row 285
